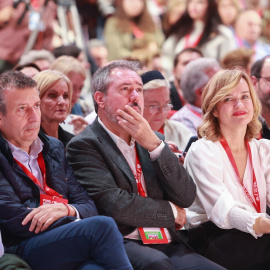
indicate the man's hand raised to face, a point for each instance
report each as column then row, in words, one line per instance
column 132, row 122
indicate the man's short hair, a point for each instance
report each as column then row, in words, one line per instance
column 13, row 79
column 256, row 68
column 176, row 58
column 102, row 77
column 195, row 76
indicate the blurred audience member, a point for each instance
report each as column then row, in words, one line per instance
column 55, row 92
column 200, row 26
column 131, row 30
column 266, row 23
column 157, row 104
column 156, row 64
column 174, row 11
column 180, row 61
column 99, row 52
column 260, row 72
column 157, row 9
column 71, row 50
column 73, row 69
column 16, row 25
column 242, row 57
column 29, row 69
column 42, row 58
column 194, row 79
column 228, row 11
column 248, row 28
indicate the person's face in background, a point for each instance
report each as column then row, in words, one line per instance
column 29, row 71
column 156, row 106
column 249, row 26
column 43, row 64
column 183, row 59
column 197, row 9
column 227, row 11
column 83, row 61
column 133, row 8
column 77, row 81
column 55, row 103
column 263, row 84
column 100, row 55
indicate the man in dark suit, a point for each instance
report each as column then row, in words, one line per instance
column 132, row 175
column 40, row 197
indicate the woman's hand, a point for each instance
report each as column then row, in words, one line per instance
column 180, row 155
column 262, row 225
column 79, row 124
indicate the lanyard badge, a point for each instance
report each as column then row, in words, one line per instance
column 148, row 235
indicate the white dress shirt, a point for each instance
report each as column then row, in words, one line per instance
column 220, row 196
column 29, row 160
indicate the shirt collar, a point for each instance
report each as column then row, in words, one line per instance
column 36, row 148
column 117, row 140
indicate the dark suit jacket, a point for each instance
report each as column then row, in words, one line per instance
column 104, row 172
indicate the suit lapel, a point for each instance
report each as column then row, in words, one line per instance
column 114, row 153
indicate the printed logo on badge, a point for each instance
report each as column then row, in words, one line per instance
column 153, row 236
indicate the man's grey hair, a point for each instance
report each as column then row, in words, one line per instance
column 102, row 77
column 195, row 77
column 10, row 80
column 35, row 55
column 154, row 84
column 95, row 43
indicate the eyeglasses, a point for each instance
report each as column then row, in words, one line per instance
column 156, row 108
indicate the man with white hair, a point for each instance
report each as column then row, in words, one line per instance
column 248, row 28
column 157, row 104
column 194, row 78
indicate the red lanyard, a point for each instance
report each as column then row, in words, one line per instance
column 255, row 190
column 49, row 191
column 194, row 44
column 193, row 111
column 161, row 130
column 138, row 176
column 136, row 31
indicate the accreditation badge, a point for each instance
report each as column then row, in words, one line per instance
column 153, row 236
column 46, row 199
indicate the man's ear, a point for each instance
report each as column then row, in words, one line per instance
column 255, row 81
column 99, row 98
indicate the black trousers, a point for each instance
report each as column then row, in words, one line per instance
column 165, row 257
column 233, row 249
